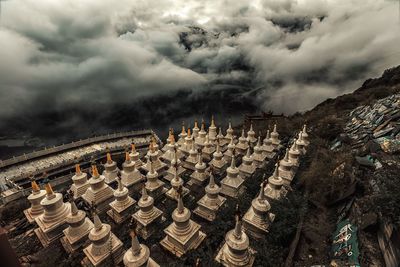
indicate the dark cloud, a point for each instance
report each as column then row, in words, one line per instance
column 64, row 62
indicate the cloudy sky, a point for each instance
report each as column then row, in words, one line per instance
column 61, row 56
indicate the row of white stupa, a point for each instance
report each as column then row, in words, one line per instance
column 52, row 215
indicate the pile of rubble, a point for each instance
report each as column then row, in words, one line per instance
column 379, row 122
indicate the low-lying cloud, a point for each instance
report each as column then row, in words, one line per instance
column 93, row 55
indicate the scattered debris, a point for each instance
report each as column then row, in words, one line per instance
column 374, row 122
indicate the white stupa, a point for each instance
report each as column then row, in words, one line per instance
column 208, row 149
column 286, row 171
column 212, row 132
column 258, row 217
column 79, row 182
column 52, row 221
column 236, row 251
column 218, row 163
column 79, row 226
column 138, row 255
column 183, row 234
column 232, row 183
column 258, row 156
column 110, row 170
column 147, row 217
column 130, row 175
column 275, row 138
column 267, row 147
column 200, row 175
column 242, row 145
column 210, row 203
column 274, row 188
column 247, row 168
column 251, row 136
column 35, row 198
column 121, row 207
column 135, row 156
column 230, row 152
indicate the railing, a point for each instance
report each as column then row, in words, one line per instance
column 56, row 149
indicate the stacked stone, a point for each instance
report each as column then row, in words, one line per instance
column 147, row 217
column 122, row 206
column 79, row 226
column 110, row 170
column 35, row 198
column 99, row 193
column 80, row 182
column 232, row 183
column 210, row 203
column 53, row 220
column 183, row 234
column 105, row 248
column 248, row 167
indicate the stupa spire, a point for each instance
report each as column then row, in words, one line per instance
column 180, row 207
column 78, row 169
column 95, row 172
column 35, row 187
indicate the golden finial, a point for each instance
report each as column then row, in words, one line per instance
column 35, row 186
column 95, row 172
column 127, row 157
column 196, row 125
column 109, row 159
column 188, row 134
column 49, row 190
column 78, row 169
